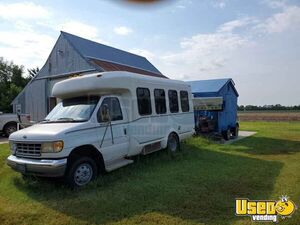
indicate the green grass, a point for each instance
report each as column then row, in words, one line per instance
column 198, row 186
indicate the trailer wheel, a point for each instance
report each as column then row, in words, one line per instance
column 226, row 134
column 9, row 129
column 235, row 133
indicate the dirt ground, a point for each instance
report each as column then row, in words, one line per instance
column 269, row 116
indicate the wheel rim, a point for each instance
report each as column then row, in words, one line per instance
column 10, row 130
column 83, row 174
column 172, row 144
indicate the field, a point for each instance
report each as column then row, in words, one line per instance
column 198, row 186
column 269, row 116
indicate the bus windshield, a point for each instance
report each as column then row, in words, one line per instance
column 78, row 109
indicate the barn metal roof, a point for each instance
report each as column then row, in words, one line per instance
column 90, row 49
column 210, row 86
column 109, row 66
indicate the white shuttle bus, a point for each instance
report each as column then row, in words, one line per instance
column 102, row 120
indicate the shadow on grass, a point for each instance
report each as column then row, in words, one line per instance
column 198, row 185
column 265, row 146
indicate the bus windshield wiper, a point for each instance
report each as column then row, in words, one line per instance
column 65, row 119
column 44, row 121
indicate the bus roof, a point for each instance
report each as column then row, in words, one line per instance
column 111, row 82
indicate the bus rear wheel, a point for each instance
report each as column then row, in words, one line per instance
column 173, row 143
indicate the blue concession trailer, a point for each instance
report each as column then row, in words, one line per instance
column 215, row 106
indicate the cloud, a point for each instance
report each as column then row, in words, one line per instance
column 23, row 10
column 23, row 43
column 234, row 24
column 217, row 52
column 252, row 51
column 219, row 4
column 79, row 28
column 288, row 19
column 203, row 54
column 25, row 47
column 23, row 26
column 275, row 3
column 182, row 4
column 123, row 30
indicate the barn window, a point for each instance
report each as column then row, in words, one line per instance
column 160, row 101
column 173, row 101
column 144, row 101
column 184, row 100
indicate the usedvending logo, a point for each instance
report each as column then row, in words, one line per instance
column 265, row 211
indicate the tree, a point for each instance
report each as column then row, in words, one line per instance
column 12, row 82
column 268, row 107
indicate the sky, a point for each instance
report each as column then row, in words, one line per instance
column 256, row 43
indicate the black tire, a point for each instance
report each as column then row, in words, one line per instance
column 235, row 133
column 80, row 172
column 173, row 143
column 9, row 129
column 226, row 134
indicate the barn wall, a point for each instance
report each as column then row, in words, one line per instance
column 63, row 59
column 35, row 100
column 19, row 101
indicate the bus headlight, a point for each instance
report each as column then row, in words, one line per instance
column 52, row 147
column 13, row 147
column 58, row 146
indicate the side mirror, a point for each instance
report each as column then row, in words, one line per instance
column 105, row 116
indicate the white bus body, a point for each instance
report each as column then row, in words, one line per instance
column 101, row 121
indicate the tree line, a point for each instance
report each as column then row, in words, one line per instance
column 12, row 81
column 267, row 107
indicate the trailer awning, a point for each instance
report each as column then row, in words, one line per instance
column 208, row 103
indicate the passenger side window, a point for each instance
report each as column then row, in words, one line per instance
column 144, row 101
column 114, row 108
column 173, row 101
column 184, row 100
column 160, row 101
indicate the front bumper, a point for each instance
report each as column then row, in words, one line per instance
column 38, row 167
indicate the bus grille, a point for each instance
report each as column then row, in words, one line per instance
column 28, row 150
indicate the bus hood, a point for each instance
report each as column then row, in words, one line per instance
column 46, row 131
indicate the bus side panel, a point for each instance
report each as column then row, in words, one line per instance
column 157, row 128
